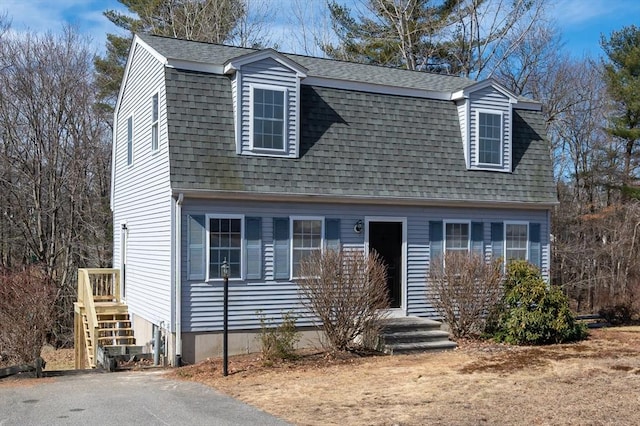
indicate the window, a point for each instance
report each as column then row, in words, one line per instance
column 489, row 138
column 225, row 242
column 154, row 122
column 129, row 141
column 457, row 237
column 268, row 119
column 516, row 240
column 307, row 239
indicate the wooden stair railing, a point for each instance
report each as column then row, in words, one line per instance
column 101, row 319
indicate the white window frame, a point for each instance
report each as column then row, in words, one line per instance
column 322, row 239
column 477, row 138
column 155, row 127
column 444, row 235
column 129, row 140
column 515, row 222
column 208, row 218
column 285, row 113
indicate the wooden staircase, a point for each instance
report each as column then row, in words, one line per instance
column 101, row 318
column 412, row 335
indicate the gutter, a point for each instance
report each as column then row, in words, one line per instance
column 360, row 199
column 177, row 362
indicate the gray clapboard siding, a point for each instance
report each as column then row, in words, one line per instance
column 202, row 301
column 142, row 197
column 270, row 73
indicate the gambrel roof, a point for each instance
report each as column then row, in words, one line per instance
column 355, row 145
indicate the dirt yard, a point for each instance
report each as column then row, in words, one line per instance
column 596, row 382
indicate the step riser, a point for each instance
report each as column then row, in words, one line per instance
column 413, row 335
column 390, row 340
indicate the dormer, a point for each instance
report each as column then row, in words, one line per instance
column 485, row 112
column 266, row 103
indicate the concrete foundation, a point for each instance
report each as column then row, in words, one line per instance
column 200, row 346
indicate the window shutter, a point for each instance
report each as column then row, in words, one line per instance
column 477, row 238
column 281, row 248
column 435, row 240
column 196, row 249
column 497, row 240
column 332, row 234
column 253, row 247
column 535, row 248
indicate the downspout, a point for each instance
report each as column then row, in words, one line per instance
column 178, row 278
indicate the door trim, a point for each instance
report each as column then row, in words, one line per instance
column 402, row 311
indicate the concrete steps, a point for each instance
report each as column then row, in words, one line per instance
column 413, row 335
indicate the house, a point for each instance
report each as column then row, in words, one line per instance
column 259, row 157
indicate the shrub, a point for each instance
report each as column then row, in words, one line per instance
column 466, row 288
column 278, row 343
column 27, row 303
column 347, row 292
column 532, row 312
column 617, row 314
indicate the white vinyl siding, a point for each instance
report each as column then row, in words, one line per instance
column 306, row 239
column 155, row 114
column 142, row 194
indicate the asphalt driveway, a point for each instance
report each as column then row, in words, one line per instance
column 144, row 398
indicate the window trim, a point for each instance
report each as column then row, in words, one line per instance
column 129, row 139
column 207, row 228
column 155, row 124
column 477, row 138
column 504, row 230
column 285, row 121
column 322, row 239
column 444, row 235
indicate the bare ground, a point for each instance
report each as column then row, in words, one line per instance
column 596, row 382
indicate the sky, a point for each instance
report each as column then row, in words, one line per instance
column 581, row 22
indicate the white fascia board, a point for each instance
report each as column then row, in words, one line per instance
column 464, row 93
column 532, row 105
column 236, row 63
column 375, row 88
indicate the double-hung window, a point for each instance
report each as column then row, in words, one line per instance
column 516, row 241
column 457, row 237
column 130, row 140
column 489, row 138
column 225, row 243
column 306, row 239
column 154, row 122
column 268, row 119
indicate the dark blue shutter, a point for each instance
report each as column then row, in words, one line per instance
column 435, row 240
column 535, row 248
column 253, row 247
column 497, row 240
column 281, row 248
column 196, row 253
column 332, row 234
column 477, row 238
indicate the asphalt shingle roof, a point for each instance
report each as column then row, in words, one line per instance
column 317, row 67
column 352, row 144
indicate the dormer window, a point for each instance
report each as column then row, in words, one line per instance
column 268, row 119
column 490, row 138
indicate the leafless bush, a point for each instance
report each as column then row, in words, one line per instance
column 347, row 292
column 27, row 303
column 466, row 288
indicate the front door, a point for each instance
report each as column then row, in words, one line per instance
column 386, row 239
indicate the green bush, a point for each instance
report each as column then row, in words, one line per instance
column 278, row 343
column 532, row 312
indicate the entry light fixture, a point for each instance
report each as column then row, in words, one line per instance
column 357, row 228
